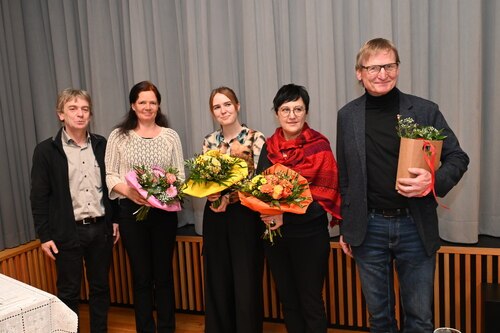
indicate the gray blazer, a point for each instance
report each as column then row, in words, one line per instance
column 351, row 160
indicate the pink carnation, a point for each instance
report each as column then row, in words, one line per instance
column 158, row 172
column 171, row 191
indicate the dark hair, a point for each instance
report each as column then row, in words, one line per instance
column 130, row 121
column 228, row 92
column 289, row 93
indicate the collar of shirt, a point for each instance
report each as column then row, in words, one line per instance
column 66, row 139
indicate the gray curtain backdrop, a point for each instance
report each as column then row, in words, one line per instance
column 449, row 50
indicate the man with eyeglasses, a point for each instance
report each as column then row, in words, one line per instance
column 382, row 225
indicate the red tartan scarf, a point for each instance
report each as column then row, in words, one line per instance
column 310, row 155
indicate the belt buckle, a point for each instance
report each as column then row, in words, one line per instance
column 87, row 220
column 390, row 213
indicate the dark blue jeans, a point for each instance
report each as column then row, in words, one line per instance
column 396, row 240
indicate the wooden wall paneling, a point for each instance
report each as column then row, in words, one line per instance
column 446, row 289
column 189, row 275
column 477, row 292
column 437, row 290
column 349, row 292
column 457, row 282
column 460, row 272
column 468, row 294
column 198, row 306
column 341, row 267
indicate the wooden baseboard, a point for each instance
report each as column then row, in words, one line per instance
column 460, row 272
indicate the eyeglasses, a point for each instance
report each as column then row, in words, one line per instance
column 375, row 69
column 297, row 111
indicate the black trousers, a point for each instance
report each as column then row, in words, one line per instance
column 95, row 249
column 299, row 268
column 150, row 247
column 233, row 258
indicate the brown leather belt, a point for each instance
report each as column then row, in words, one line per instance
column 89, row 220
column 395, row 212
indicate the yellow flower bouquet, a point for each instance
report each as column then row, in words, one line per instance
column 213, row 172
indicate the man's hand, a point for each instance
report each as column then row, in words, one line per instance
column 345, row 246
column 116, row 233
column 50, row 249
column 419, row 186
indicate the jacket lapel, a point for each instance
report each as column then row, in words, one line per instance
column 405, row 106
column 358, row 119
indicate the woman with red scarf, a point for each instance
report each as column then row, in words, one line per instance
column 299, row 259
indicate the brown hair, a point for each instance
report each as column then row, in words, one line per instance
column 70, row 94
column 228, row 92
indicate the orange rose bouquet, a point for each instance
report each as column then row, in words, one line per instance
column 276, row 191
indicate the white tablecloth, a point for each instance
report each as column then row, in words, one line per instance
column 24, row 308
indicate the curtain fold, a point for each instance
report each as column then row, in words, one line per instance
column 449, row 54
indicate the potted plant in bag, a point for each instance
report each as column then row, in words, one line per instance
column 420, row 147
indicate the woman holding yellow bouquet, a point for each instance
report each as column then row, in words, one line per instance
column 299, row 258
column 232, row 249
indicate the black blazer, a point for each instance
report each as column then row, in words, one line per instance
column 351, row 160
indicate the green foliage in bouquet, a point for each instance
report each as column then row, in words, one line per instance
column 408, row 128
column 213, row 166
column 163, row 184
column 280, row 187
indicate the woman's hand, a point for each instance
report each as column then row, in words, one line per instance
column 131, row 193
column 224, row 201
column 273, row 221
column 213, row 197
column 136, row 197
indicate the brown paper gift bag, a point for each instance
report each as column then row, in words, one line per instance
column 412, row 155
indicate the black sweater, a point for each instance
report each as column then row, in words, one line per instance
column 382, row 151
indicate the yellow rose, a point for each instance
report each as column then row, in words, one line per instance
column 278, row 190
column 215, row 162
column 213, row 153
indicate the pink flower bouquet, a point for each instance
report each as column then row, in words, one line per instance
column 159, row 186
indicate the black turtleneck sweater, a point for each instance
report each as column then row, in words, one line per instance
column 382, row 150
